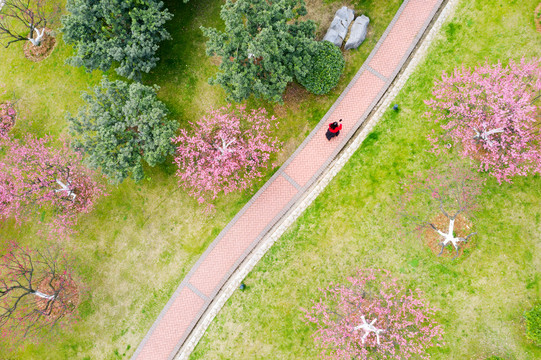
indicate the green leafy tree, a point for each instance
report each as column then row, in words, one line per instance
column 121, row 125
column 264, row 46
column 122, row 32
column 325, row 70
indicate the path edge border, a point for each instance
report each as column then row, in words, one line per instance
column 319, row 185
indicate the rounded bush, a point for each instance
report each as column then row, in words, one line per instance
column 326, row 68
column 533, row 324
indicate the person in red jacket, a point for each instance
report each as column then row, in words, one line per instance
column 334, row 130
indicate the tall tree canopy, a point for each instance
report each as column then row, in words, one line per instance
column 126, row 32
column 121, row 125
column 264, row 46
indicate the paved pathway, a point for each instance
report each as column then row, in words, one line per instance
column 196, row 292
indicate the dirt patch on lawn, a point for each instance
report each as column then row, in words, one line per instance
column 41, row 52
column 463, row 227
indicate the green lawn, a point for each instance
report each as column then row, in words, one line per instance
column 135, row 248
column 482, row 295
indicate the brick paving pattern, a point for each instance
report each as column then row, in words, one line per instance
column 242, row 234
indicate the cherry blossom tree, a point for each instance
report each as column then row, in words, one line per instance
column 373, row 317
column 37, row 177
column 8, row 114
column 7, row 117
column 226, row 151
column 37, row 291
column 22, row 14
column 433, row 193
column 491, row 113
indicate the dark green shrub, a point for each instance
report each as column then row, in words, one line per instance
column 325, row 70
column 533, row 324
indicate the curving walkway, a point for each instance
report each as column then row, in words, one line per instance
column 239, row 238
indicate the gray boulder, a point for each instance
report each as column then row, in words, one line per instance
column 334, row 37
column 339, row 26
column 358, row 32
column 345, row 14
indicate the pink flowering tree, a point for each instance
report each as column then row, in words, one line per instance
column 491, row 112
column 427, row 197
column 373, row 317
column 8, row 114
column 7, row 117
column 37, row 177
column 37, row 291
column 226, row 151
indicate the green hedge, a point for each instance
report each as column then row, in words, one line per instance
column 533, row 324
column 326, row 68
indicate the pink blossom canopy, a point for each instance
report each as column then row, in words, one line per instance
column 226, row 152
column 491, row 112
column 373, row 316
column 37, row 177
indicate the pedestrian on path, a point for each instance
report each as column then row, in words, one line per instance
column 334, row 130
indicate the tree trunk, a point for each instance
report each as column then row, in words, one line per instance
column 483, row 135
column 368, row 327
column 449, row 237
column 44, row 296
column 225, row 145
column 64, row 187
column 39, row 37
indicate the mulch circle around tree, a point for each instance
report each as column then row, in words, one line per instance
column 463, row 227
column 537, row 17
column 41, row 52
column 65, row 305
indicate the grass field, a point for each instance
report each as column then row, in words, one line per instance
column 481, row 295
column 140, row 241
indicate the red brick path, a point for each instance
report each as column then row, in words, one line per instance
column 242, row 234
